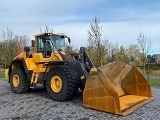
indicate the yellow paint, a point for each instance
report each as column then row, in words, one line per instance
column 38, row 58
column 118, row 88
column 56, row 57
column 37, row 63
column 16, row 80
column 21, row 55
column 93, row 69
column 30, row 63
column 6, row 74
column 34, row 79
column 130, row 100
column 82, row 77
column 56, row 83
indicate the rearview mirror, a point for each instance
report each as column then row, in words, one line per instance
column 69, row 40
column 27, row 49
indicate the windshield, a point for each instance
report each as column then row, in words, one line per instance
column 57, row 42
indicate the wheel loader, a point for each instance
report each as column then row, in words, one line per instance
column 118, row 88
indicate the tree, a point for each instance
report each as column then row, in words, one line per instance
column 46, row 29
column 145, row 45
column 9, row 46
column 122, row 54
column 96, row 44
column 113, row 52
column 22, row 41
column 133, row 54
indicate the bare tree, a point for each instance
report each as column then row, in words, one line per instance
column 22, row 41
column 96, row 45
column 46, row 29
column 145, row 45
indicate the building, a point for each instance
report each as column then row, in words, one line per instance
column 156, row 58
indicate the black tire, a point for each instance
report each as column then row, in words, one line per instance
column 69, row 80
column 23, row 85
column 44, row 85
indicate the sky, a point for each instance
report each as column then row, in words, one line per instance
column 121, row 20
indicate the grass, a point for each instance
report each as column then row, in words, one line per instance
column 155, row 82
column 1, row 75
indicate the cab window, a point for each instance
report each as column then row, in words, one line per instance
column 40, row 45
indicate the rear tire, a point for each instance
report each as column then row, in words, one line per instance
column 18, row 81
column 62, row 83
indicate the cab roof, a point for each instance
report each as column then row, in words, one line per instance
column 48, row 33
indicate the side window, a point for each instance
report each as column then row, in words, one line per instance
column 40, row 46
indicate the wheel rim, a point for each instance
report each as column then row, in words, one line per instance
column 56, row 83
column 16, row 80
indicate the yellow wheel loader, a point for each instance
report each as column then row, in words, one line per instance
column 117, row 88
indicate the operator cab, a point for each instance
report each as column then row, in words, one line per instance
column 49, row 42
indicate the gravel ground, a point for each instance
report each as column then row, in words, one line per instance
column 38, row 105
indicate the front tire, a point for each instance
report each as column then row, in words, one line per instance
column 62, row 83
column 18, row 81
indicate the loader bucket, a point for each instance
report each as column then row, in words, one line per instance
column 118, row 88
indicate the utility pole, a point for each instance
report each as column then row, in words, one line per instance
column 143, row 62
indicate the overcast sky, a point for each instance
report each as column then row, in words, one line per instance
column 121, row 20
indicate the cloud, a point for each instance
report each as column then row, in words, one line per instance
column 125, row 33
column 121, row 20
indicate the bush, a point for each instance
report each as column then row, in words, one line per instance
column 153, row 66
